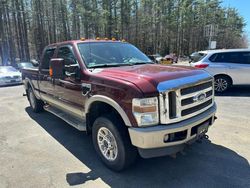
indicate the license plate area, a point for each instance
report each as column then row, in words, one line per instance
column 201, row 128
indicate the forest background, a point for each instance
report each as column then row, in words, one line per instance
column 154, row 26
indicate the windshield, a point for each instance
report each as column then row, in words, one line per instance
column 7, row 69
column 108, row 54
column 25, row 65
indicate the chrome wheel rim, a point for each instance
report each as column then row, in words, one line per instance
column 220, row 85
column 107, row 144
column 32, row 99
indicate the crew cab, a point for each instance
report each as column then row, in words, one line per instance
column 114, row 92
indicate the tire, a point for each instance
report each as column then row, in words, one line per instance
column 110, row 133
column 222, row 84
column 35, row 104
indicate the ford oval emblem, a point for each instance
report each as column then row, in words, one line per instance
column 199, row 97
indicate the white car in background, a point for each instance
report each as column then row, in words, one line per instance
column 229, row 67
column 9, row 76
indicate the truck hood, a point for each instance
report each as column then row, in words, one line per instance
column 151, row 78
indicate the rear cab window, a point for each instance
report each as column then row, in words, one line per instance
column 48, row 54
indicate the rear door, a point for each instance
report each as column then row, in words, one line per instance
column 217, row 64
column 245, row 63
column 239, row 67
column 68, row 89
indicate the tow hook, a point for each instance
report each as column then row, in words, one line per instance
column 201, row 137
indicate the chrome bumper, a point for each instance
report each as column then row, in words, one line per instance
column 10, row 83
column 153, row 137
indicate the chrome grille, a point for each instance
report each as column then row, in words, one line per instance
column 186, row 102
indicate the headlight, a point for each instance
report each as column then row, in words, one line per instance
column 146, row 111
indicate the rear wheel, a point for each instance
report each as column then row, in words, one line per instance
column 222, row 84
column 112, row 143
column 35, row 104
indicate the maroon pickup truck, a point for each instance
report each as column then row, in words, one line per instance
column 131, row 106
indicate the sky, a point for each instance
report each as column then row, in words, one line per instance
column 243, row 7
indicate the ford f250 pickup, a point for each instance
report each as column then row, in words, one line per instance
column 129, row 105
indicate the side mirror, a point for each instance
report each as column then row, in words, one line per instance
column 72, row 68
column 56, row 69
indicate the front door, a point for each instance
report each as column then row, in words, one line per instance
column 68, row 89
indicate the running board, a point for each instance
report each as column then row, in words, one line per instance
column 76, row 122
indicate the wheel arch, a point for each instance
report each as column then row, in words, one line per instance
column 28, row 84
column 224, row 75
column 103, row 101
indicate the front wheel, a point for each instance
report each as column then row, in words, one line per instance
column 35, row 104
column 112, row 143
column 221, row 84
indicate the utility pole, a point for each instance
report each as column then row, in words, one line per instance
column 210, row 31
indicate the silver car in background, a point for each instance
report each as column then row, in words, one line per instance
column 229, row 67
column 9, row 76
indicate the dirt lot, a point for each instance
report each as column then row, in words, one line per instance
column 40, row 150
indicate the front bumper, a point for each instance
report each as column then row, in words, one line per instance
column 184, row 131
column 8, row 83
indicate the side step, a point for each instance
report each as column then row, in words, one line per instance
column 76, row 122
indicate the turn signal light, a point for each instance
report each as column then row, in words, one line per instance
column 201, row 66
column 50, row 71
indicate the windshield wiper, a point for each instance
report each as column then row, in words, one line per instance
column 118, row 65
column 105, row 65
column 141, row 62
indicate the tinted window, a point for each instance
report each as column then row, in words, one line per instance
column 67, row 54
column 230, row 57
column 48, row 54
column 213, row 57
column 245, row 56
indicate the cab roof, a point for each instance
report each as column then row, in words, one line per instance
column 83, row 41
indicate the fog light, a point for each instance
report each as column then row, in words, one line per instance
column 165, row 139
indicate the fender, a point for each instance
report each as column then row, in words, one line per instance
column 28, row 81
column 111, row 102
